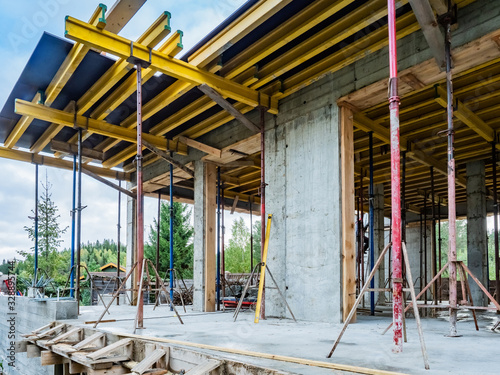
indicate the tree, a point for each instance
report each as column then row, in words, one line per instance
column 237, row 253
column 49, row 237
column 183, row 240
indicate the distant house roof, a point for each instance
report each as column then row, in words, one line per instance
column 110, row 266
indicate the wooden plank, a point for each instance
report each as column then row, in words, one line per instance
column 72, row 149
column 430, row 29
column 465, row 57
column 219, row 99
column 109, row 349
column 439, row 166
column 120, row 13
column 209, row 195
column 168, row 158
column 148, row 362
column 108, row 183
column 64, row 336
column 440, row 6
column 49, row 358
column 89, row 340
column 235, row 202
column 50, row 331
column 205, row 367
column 32, row 351
column 348, row 234
column 76, row 368
column 201, row 146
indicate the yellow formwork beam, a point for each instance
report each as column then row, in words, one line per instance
column 381, row 132
column 358, row 50
column 114, row 74
column 469, row 118
column 253, row 17
column 263, row 269
column 157, row 31
column 121, row 47
column 335, row 33
column 67, row 68
column 69, row 119
column 295, row 26
column 170, row 94
column 21, row 125
column 29, row 157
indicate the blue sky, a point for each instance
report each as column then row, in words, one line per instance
column 22, row 23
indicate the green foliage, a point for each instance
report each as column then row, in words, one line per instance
column 183, row 244
column 462, row 246
column 95, row 255
column 237, row 253
column 4, row 267
column 49, row 238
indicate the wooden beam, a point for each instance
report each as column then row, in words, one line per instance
column 430, row 28
column 219, row 99
column 368, row 125
column 89, row 340
column 148, row 362
column 348, row 233
column 253, row 17
column 58, row 163
column 94, row 126
column 64, row 336
column 440, row 6
column 108, row 183
column 235, row 202
column 72, row 149
column 439, row 166
column 49, row 358
column 469, row 118
column 103, row 352
column 201, row 146
column 121, row 12
column 209, row 195
column 168, row 158
column 205, row 367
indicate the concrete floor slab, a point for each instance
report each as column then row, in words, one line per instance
column 362, row 344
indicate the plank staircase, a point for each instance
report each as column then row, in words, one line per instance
column 82, row 350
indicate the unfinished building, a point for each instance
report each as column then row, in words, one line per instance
column 283, row 109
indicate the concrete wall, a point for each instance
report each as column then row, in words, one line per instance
column 303, row 194
column 413, row 243
column 477, row 234
column 30, row 315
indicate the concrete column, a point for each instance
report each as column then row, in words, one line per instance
column 414, row 246
column 379, row 240
column 131, row 240
column 477, row 243
column 204, row 236
column 303, row 194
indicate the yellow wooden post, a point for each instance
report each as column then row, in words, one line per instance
column 263, row 269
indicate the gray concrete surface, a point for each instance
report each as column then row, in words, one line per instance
column 303, row 194
column 362, row 345
column 29, row 315
column 477, row 233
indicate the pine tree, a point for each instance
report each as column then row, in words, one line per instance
column 183, row 244
column 49, row 235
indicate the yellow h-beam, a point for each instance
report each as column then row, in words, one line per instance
column 263, row 269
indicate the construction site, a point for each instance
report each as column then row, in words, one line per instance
column 359, row 132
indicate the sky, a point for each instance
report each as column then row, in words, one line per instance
column 22, row 23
